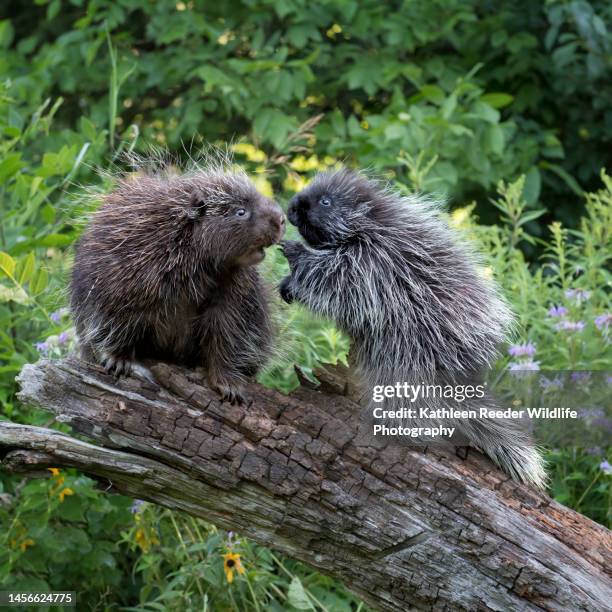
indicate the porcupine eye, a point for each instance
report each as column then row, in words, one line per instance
column 325, row 201
column 242, row 213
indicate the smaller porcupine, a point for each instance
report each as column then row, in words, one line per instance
column 397, row 279
column 166, row 270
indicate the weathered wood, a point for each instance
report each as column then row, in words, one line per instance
column 402, row 528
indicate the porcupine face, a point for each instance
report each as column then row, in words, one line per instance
column 332, row 208
column 232, row 221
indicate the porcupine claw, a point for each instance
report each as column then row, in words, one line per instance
column 233, row 395
column 117, row 365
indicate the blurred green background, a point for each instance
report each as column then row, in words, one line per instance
column 503, row 109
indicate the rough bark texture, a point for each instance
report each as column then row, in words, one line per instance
column 402, row 528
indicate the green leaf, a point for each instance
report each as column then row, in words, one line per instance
column 395, row 131
column 497, row 100
column 530, row 216
column 175, row 31
column 47, row 213
column 12, row 131
column 563, row 174
column 39, row 284
column 532, row 186
column 55, row 164
column 448, row 106
column 298, row 34
column 365, row 74
column 6, row 33
column 28, row 269
column 433, row 93
column 213, row 77
column 10, row 165
column 485, row 112
column 72, row 508
column 273, row 126
column 7, row 263
column 297, row 597
column 494, row 137
column 53, row 9
column 55, row 240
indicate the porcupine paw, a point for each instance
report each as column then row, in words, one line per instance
column 292, row 249
column 117, row 365
column 231, row 393
column 285, row 290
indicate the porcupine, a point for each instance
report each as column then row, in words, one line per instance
column 166, row 270
column 408, row 291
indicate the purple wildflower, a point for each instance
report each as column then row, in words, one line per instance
column 591, row 413
column 603, row 423
column 603, row 321
column 557, row 311
column 578, row 295
column 528, row 366
column 56, row 317
column 42, row 347
column 136, row 506
column 570, row 326
column 609, row 380
column 581, row 377
column 593, row 450
column 62, row 338
column 522, row 350
column 551, row 384
column 605, row 467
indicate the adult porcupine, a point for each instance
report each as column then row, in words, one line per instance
column 166, row 270
column 397, row 279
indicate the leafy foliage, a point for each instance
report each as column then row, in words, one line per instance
column 489, row 91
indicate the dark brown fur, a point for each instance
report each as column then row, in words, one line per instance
column 166, row 270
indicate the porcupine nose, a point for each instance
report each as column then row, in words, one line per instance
column 274, row 217
column 277, row 222
column 295, row 203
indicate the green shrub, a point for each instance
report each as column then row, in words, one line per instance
column 486, row 91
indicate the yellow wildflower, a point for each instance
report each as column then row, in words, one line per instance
column 263, row 185
column 294, row 182
column 231, row 563
column 251, row 152
column 461, row 217
column 145, row 538
column 27, row 542
column 300, row 163
column 335, row 29
column 54, row 471
column 64, row 492
column 141, row 539
column 58, row 481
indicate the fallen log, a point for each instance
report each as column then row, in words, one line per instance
column 402, row 528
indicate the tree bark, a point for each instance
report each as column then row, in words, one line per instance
column 402, row 528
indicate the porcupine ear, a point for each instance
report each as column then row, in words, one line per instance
column 197, row 207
